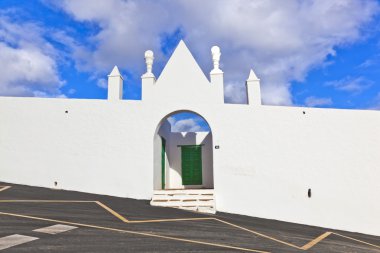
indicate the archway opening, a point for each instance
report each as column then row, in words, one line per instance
column 183, row 152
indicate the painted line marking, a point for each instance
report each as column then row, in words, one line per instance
column 307, row 246
column 135, row 233
column 108, row 209
column 168, row 220
column 315, row 241
column 55, row 229
column 14, row 240
column 370, row 244
column 3, row 188
column 111, row 211
column 44, row 201
column 260, row 234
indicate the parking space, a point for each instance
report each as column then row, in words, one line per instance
column 34, row 219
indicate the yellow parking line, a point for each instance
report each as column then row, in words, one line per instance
column 108, row 209
column 259, row 234
column 122, row 218
column 376, row 246
column 111, row 211
column 44, row 201
column 168, row 220
column 306, row 246
column 117, row 215
column 136, row 233
column 315, row 241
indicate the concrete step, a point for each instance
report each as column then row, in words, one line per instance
column 182, row 197
column 199, row 200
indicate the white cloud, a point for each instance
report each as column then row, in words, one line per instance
column 349, row 84
column 171, row 120
column 102, row 83
column 133, row 27
column 235, row 93
column 368, row 63
column 282, row 39
column 27, row 61
column 315, row 101
column 184, row 125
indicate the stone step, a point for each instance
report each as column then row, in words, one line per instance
column 199, row 200
column 209, row 203
column 181, row 197
column 185, row 192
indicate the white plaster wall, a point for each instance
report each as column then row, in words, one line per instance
column 98, row 146
column 157, row 170
column 164, row 130
column 268, row 158
column 207, row 161
column 266, row 168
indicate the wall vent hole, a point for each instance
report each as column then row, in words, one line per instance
column 309, row 193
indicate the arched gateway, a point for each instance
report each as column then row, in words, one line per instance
column 183, row 166
column 182, row 159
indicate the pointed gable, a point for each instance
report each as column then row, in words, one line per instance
column 182, row 63
column 182, row 79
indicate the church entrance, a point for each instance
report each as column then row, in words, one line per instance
column 183, row 163
column 183, row 152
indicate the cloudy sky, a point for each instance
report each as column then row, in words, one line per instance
column 318, row 53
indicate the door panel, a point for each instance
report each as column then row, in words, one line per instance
column 191, row 165
column 163, row 150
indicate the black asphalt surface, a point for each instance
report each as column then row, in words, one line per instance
column 95, row 224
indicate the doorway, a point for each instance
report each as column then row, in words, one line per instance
column 183, row 152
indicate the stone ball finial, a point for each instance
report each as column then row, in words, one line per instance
column 215, row 51
column 149, row 54
column 149, row 57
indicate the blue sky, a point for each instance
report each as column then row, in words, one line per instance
column 306, row 53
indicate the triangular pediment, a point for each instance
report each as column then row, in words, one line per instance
column 182, row 65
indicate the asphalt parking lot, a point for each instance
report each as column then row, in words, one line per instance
column 34, row 219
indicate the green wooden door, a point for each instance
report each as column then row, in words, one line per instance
column 163, row 150
column 191, row 165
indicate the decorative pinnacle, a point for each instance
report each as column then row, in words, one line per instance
column 115, row 72
column 149, row 57
column 252, row 76
column 215, row 51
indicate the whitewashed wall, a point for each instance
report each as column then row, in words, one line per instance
column 268, row 158
column 164, row 130
column 98, row 146
column 266, row 168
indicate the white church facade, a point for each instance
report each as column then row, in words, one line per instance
column 305, row 165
